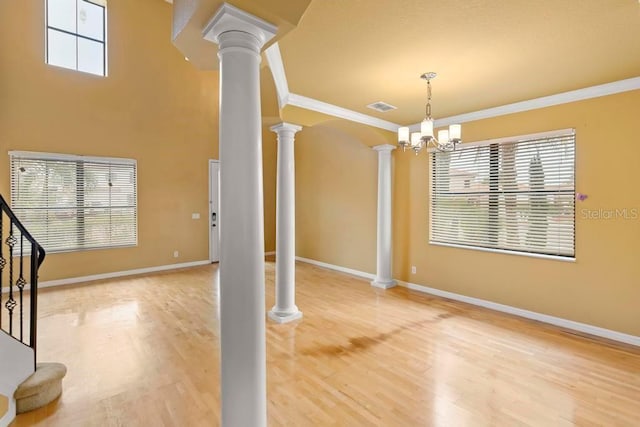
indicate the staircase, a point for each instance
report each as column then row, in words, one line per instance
column 23, row 384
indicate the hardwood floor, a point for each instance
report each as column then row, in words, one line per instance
column 143, row 351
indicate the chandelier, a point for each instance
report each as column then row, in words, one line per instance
column 447, row 138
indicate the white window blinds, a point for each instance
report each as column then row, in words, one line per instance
column 513, row 194
column 75, row 202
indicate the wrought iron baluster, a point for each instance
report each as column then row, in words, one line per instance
column 36, row 259
column 2, row 261
column 11, row 303
column 21, row 283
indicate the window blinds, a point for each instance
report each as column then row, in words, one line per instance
column 75, row 202
column 514, row 194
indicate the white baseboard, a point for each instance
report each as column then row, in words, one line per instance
column 545, row 318
column 338, row 268
column 91, row 278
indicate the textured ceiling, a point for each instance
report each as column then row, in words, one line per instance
column 486, row 52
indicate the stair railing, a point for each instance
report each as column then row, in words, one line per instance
column 17, row 247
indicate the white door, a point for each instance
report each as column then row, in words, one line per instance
column 214, row 210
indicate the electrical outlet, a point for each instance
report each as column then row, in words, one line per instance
column 176, row 254
column 195, row 215
column 413, row 269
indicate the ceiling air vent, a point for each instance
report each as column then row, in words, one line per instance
column 383, row 107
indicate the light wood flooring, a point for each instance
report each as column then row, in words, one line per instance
column 143, row 351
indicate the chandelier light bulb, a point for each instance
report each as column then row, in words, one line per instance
column 415, row 139
column 443, row 136
column 426, row 128
column 403, row 134
column 455, row 132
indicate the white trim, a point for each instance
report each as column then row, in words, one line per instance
column 93, row 277
column 285, row 127
column 346, row 270
column 384, row 285
column 544, row 318
column 506, row 251
column 384, row 147
column 274, row 58
column 211, row 162
column 286, row 318
column 343, row 113
column 69, row 157
column 231, row 18
column 543, row 102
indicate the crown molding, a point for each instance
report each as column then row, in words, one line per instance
column 274, row 58
column 543, row 102
column 343, row 113
column 606, row 89
column 285, row 97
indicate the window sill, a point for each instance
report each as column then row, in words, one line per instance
column 92, row 248
column 507, row 252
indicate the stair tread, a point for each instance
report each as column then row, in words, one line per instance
column 46, row 373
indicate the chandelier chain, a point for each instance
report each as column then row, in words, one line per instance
column 428, row 107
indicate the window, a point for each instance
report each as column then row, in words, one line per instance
column 74, row 202
column 515, row 194
column 76, row 35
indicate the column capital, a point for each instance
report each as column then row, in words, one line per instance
column 384, row 148
column 284, row 126
column 230, row 18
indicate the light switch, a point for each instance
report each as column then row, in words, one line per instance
column 195, row 215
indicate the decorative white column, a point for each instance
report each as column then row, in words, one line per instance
column 384, row 278
column 240, row 37
column 285, row 309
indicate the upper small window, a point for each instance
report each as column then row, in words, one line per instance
column 76, row 35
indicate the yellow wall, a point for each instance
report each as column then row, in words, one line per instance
column 154, row 107
column 4, row 405
column 335, row 198
column 601, row 288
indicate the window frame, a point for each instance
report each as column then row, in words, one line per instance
column 78, row 36
column 497, row 142
column 80, row 162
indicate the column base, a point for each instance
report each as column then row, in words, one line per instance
column 279, row 317
column 383, row 284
